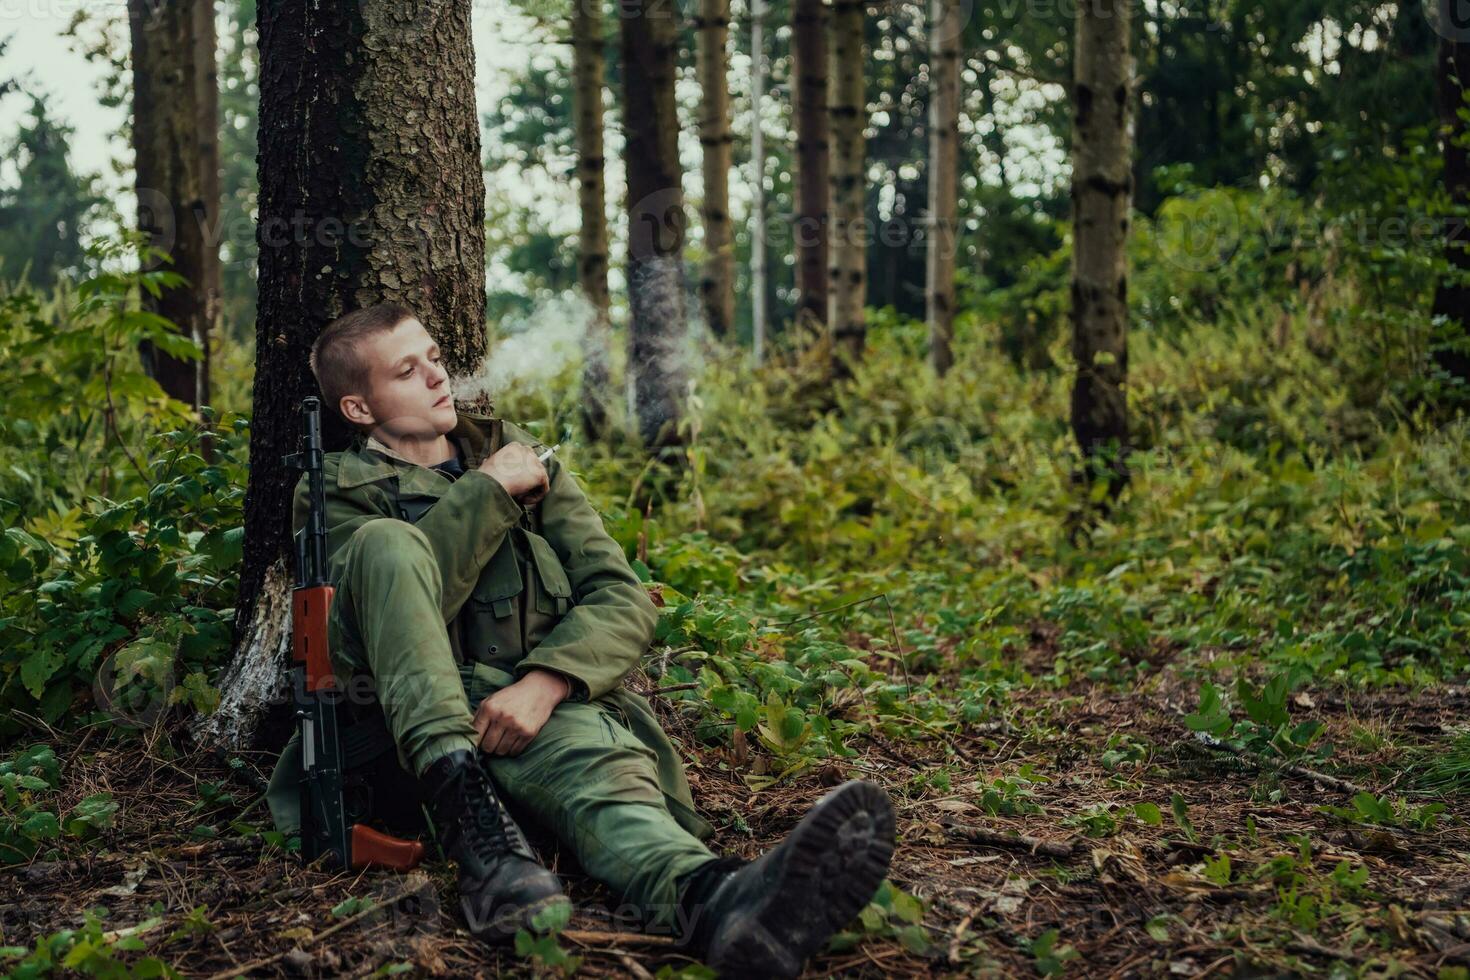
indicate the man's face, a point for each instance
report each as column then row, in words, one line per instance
column 408, row 393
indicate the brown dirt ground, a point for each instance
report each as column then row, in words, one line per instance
column 984, row 901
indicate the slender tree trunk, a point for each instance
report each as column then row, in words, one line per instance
column 809, row 69
column 206, row 140
column 658, row 356
column 847, row 256
column 176, row 151
column 945, row 24
column 717, row 283
column 1101, row 193
column 370, row 190
column 1452, row 298
column 758, row 179
column 587, row 73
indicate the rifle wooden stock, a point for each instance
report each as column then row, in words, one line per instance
column 374, row 849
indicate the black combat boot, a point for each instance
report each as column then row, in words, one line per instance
column 765, row 918
column 501, row 884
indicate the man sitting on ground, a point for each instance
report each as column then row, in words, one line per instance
column 497, row 619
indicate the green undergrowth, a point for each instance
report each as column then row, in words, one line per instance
column 905, row 563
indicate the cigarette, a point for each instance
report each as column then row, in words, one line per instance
column 543, row 457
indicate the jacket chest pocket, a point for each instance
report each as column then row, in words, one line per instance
column 553, row 590
column 548, row 593
column 492, row 624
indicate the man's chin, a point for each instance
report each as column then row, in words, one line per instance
column 427, row 428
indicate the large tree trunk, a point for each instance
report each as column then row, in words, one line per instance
column 809, row 69
column 176, row 152
column 1452, row 298
column 945, row 24
column 717, row 283
column 658, row 356
column 370, row 190
column 758, row 180
column 847, row 247
column 1101, row 194
column 587, row 71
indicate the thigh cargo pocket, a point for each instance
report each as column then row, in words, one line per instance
column 493, row 620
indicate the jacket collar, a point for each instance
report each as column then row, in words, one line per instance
column 368, row 460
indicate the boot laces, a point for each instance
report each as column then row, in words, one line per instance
column 488, row 823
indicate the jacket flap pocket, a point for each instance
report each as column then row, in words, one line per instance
column 500, row 581
column 549, row 568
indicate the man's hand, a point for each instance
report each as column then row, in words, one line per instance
column 515, row 467
column 510, row 718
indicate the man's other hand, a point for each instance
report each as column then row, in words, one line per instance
column 510, row 718
column 515, row 467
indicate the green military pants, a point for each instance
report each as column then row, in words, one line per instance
column 586, row 777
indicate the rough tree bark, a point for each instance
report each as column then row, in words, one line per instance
column 176, row 154
column 1101, row 195
column 1452, row 297
column 945, row 25
column 848, row 244
column 809, row 68
column 658, row 355
column 587, row 74
column 717, row 282
column 370, row 190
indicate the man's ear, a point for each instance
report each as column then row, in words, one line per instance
column 355, row 410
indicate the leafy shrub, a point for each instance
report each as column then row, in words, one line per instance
column 119, row 559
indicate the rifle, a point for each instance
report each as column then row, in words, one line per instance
column 329, row 825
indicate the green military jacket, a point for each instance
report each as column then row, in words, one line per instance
column 523, row 588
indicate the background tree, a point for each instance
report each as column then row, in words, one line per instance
column 945, row 25
column 176, row 174
column 370, row 190
column 1102, row 179
column 809, row 111
column 592, row 261
column 657, row 328
column 42, row 215
column 529, row 136
column 1452, row 298
column 847, row 257
column 759, row 304
column 239, row 111
column 896, row 164
column 717, row 281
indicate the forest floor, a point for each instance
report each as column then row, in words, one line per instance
column 1142, row 852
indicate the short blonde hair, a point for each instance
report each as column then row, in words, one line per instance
column 335, row 358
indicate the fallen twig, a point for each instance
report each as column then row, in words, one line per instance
column 631, row 965
column 1013, row 842
column 1321, row 778
column 597, row 937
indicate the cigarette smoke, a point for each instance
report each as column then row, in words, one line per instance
column 529, row 350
